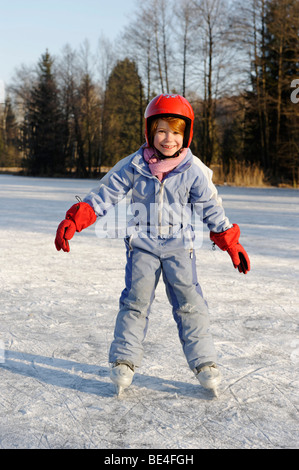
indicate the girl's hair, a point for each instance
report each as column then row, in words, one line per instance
column 175, row 124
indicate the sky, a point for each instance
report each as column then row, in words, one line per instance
column 29, row 27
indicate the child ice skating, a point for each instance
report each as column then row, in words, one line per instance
column 168, row 184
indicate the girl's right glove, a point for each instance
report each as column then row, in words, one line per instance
column 229, row 241
column 78, row 217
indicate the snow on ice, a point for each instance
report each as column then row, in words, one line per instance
column 56, row 323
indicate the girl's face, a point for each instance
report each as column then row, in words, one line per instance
column 166, row 140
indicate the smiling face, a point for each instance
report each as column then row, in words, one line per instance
column 169, row 136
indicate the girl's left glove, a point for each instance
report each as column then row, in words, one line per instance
column 78, row 217
column 229, row 241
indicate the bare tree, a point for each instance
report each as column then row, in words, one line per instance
column 147, row 41
column 211, row 18
column 161, row 24
column 186, row 38
column 80, row 99
column 138, row 45
column 106, row 57
column 67, row 82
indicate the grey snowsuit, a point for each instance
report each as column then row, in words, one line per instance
column 159, row 241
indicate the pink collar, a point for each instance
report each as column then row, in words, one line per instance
column 161, row 168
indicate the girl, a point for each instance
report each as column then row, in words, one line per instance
column 168, row 184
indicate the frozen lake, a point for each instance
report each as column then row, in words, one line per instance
column 57, row 315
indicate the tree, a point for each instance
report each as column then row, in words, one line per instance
column 81, row 103
column 271, row 117
column 211, row 18
column 161, row 23
column 234, row 61
column 43, row 124
column 87, row 115
column 123, row 113
column 281, row 41
column 90, row 121
column 186, row 33
column 148, row 42
column 67, row 76
column 138, row 42
column 9, row 153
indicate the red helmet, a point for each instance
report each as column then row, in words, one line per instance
column 170, row 105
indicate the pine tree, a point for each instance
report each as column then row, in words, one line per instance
column 271, row 117
column 123, row 113
column 282, row 29
column 43, row 127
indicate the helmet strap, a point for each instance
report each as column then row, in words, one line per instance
column 163, row 157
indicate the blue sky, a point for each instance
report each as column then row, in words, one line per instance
column 29, row 27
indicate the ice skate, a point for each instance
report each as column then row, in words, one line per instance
column 209, row 377
column 121, row 375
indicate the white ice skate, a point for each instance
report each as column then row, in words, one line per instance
column 209, row 377
column 121, row 375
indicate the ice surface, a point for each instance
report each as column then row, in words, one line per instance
column 57, row 315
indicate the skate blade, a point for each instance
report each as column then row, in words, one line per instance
column 212, row 391
column 119, row 391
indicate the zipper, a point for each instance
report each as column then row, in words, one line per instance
column 130, row 245
column 160, row 208
column 148, row 174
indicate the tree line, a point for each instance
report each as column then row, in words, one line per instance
column 236, row 62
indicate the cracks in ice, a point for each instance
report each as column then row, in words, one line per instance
column 242, row 404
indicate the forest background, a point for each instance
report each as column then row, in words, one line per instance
column 79, row 113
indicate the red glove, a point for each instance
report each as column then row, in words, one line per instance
column 229, row 241
column 78, row 217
